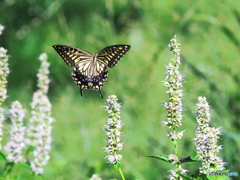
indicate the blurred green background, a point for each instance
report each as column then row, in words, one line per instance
column 210, row 41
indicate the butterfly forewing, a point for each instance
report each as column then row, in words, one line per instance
column 112, row 54
column 72, row 55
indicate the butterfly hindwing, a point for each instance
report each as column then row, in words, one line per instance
column 112, row 54
column 72, row 55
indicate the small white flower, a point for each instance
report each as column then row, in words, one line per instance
column 174, row 174
column 1, row 28
column 173, row 158
column 95, row 177
column 36, row 168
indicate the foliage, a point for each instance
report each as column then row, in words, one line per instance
column 208, row 32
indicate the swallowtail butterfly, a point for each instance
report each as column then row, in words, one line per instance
column 90, row 71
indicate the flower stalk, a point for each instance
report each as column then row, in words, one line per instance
column 4, row 71
column 206, row 139
column 16, row 144
column 113, row 131
column 173, row 82
column 40, row 126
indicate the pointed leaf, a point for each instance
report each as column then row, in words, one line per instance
column 2, row 156
column 117, row 166
column 159, row 157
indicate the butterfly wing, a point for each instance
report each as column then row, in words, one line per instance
column 72, row 55
column 112, row 54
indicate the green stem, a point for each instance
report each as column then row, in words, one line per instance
column 8, row 168
column 120, row 171
column 176, row 153
column 176, row 149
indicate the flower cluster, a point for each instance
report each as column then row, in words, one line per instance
column 173, row 81
column 112, row 129
column 95, row 177
column 206, row 139
column 43, row 80
column 4, row 71
column 173, row 158
column 1, row 125
column 15, row 145
column 174, row 173
column 40, row 125
column 173, row 135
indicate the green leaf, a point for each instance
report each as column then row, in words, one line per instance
column 31, row 148
column 25, row 165
column 188, row 177
column 174, row 141
column 189, row 159
column 2, row 156
column 117, row 166
column 159, row 157
column 182, row 160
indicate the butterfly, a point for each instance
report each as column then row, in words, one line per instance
column 90, row 71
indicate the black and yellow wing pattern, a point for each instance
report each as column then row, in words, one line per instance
column 90, row 71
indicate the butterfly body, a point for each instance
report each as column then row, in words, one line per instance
column 90, row 71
